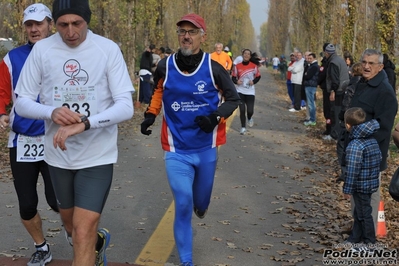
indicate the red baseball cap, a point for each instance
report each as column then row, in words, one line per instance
column 195, row 19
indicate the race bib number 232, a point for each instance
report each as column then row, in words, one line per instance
column 30, row 149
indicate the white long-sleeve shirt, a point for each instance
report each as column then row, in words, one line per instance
column 91, row 79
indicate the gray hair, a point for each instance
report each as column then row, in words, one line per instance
column 369, row 52
column 218, row 43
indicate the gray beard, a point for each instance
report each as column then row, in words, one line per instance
column 186, row 52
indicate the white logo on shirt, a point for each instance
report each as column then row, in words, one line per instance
column 200, row 87
column 175, row 106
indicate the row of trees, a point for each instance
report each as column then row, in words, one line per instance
column 137, row 23
column 352, row 25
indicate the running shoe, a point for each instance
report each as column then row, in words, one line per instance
column 200, row 214
column 101, row 258
column 68, row 238
column 251, row 122
column 310, row 123
column 40, row 257
column 243, row 130
column 293, row 110
column 328, row 138
column 359, row 247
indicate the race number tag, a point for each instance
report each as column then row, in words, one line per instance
column 30, row 149
column 82, row 100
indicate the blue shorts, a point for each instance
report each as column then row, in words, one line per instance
column 275, row 67
column 86, row 188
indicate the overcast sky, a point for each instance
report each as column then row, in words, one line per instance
column 259, row 10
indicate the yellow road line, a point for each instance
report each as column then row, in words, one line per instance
column 157, row 250
column 161, row 243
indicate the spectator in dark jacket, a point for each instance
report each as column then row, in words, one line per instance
column 374, row 94
column 146, row 75
column 349, row 62
column 389, row 68
column 337, row 77
column 326, row 95
column 310, row 79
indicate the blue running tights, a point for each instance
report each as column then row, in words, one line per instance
column 190, row 178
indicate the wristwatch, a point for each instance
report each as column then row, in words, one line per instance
column 85, row 121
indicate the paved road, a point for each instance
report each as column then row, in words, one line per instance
column 258, row 197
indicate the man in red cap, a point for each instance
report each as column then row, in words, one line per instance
column 191, row 87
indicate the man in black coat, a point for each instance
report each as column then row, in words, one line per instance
column 374, row 94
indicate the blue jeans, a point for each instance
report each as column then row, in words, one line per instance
column 310, row 92
column 363, row 226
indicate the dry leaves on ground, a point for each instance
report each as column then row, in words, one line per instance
column 325, row 199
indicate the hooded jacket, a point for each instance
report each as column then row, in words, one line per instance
column 363, row 158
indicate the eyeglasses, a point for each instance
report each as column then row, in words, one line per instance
column 364, row 63
column 192, row 32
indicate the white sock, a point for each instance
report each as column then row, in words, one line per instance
column 43, row 246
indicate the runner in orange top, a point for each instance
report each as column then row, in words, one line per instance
column 221, row 57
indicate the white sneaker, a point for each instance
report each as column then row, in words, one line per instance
column 327, row 137
column 293, row 110
column 303, row 107
column 242, row 131
column 251, row 122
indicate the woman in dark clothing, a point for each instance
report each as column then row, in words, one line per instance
column 349, row 62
